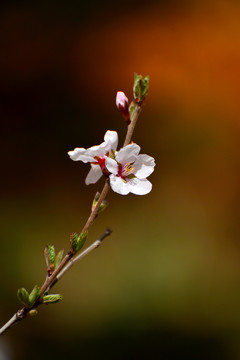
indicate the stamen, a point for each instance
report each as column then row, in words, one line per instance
column 127, row 170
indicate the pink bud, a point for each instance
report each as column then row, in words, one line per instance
column 122, row 105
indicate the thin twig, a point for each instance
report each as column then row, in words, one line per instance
column 79, row 257
column 96, row 208
column 132, row 125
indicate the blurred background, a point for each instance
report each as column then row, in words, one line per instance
column 166, row 284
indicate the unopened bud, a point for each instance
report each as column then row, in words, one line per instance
column 122, row 105
column 33, row 312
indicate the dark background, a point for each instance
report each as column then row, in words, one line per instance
column 165, row 285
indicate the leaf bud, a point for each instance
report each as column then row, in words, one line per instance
column 140, row 88
column 51, row 253
column 73, row 240
column 132, row 109
column 23, row 296
column 103, row 206
column 58, row 258
column 81, row 240
column 52, row 298
column 34, row 295
column 95, row 200
column 77, row 241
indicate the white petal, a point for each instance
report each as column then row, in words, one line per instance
column 139, row 186
column 128, row 154
column 80, row 154
column 111, row 165
column 112, row 137
column 94, row 175
column 119, row 185
column 144, row 166
column 99, row 150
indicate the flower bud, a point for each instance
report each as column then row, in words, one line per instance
column 122, row 105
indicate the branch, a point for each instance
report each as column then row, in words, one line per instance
column 22, row 313
column 140, row 85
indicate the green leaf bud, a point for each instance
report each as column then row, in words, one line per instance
column 23, row 296
column 74, row 241
column 132, row 109
column 104, row 203
column 140, row 87
column 34, row 295
column 103, row 206
column 51, row 254
column 58, row 258
column 52, row 298
column 95, row 200
column 81, row 240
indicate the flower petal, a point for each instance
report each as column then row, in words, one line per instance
column 80, row 154
column 119, row 185
column 111, row 165
column 128, row 154
column 144, row 166
column 99, row 150
column 94, row 175
column 139, row 186
column 112, row 137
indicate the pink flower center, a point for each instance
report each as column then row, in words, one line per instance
column 126, row 170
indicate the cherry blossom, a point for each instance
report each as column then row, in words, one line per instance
column 129, row 170
column 96, row 155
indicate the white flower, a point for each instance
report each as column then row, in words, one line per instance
column 130, row 170
column 96, row 156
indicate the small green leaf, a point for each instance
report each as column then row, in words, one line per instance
column 144, row 87
column 51, row 299
column 81, row 240
column 34, row 295
column 136, row 87
column 58, row 258
column 132, row 109
column 77, row 241
column 95, row 200
column 140, row 87
column 23, row 296
column 74, row 241
column 51, row 254
column 103, row 206
column 104, row 203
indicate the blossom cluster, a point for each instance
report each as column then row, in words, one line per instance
column 126, row 169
